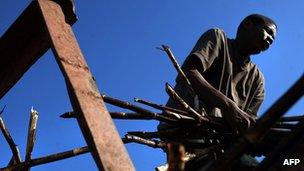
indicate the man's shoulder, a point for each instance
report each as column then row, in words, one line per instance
column 215, row 35
column 257, row 73
column 216, row 31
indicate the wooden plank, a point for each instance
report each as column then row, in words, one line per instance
column 94, row 120
column 21, row 46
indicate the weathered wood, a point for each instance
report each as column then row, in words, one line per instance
column 10, row 141
column 137, row 109
column 183, row 104
column 264, row 123
column 21, row 46
column 94, row 120
column 291, row 118
column 176, row 157
column 183, row 77
column 160, row 107
column 284, row 125
column 148, row 142
column 180, row 72
column 47, row 159
column 114, row 115
column 282, row 146
column 31, row 135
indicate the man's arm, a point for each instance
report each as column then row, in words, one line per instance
column 231, row 112
column 257, row 99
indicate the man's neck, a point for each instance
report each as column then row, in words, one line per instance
column 242, row 55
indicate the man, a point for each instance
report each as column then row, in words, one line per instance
column 227, row 83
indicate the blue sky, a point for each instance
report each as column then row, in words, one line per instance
column 118, row 40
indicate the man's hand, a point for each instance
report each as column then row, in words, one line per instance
column 237, row 118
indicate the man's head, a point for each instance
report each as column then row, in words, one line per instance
column 256, row 33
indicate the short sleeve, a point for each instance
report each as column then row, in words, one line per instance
column 258, row 98
column 206, row 50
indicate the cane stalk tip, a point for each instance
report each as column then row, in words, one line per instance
column 168, row 86
column 127, row 136
column 159, row 48
column 33, row 111
column 66, row 115
column 165, row 46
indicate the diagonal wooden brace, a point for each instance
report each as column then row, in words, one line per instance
column 41, row 26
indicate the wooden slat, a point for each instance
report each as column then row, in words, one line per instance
column 94, row 120
column 20, row 47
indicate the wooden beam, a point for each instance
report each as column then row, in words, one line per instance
column 263, row 125
column 21, row 46
column 94, row 120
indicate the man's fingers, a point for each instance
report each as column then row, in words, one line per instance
column 248, row 122
column 252, row 120
column 244, row 120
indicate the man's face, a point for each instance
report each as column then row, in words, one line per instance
column 260, row 37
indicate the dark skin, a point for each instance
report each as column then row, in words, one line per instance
column 253, row 39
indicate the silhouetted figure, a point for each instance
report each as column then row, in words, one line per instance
column 227, row 83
